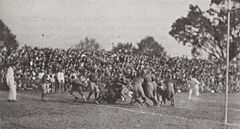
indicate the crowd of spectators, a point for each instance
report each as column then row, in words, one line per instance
column 32, row 61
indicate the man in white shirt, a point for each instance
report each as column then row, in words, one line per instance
column 12, row 96
column 61, row 81
column 193, row 87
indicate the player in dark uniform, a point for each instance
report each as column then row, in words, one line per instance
column 76, row 86
column 150, row 86
column 93, row 80
column 119, row 86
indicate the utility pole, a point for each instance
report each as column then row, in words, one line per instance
column 227, row 71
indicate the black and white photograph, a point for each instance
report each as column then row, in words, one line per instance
column 119, row 64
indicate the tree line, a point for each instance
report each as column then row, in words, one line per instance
column 205, row 31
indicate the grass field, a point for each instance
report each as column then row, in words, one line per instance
column 62, row 112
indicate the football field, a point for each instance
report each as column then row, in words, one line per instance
column 61, row 111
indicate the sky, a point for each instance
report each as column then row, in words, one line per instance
column 66, row 22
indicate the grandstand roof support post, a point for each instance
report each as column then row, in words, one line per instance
column 227, row 67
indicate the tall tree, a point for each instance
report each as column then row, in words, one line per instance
column 124, row 47
column 148, row 46
column 206, row 31
column 8, row 42
column 88, row 44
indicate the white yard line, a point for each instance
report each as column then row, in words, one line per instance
column 171, row 116
column 210, row 107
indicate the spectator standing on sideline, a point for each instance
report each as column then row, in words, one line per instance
column 194, row 87
column 61, row 81
column 12, row 96
column 44, row 86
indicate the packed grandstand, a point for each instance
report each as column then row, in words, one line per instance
column 31, row 61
